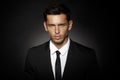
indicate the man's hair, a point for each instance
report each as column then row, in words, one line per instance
column 56, row 9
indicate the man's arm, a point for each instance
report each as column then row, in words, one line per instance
column 93, row 71
column 28, row 69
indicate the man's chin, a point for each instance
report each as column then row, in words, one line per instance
column 57, row 41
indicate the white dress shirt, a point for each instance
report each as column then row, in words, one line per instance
column 63, row 55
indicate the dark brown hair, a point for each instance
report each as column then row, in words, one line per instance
column 56, row 9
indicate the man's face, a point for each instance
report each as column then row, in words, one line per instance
column 57, row 26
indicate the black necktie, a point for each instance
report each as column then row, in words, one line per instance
column 58, row 67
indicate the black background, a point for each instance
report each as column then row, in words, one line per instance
column 95, row 26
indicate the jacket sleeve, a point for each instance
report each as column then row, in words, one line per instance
column 93, row 71
column 29, row 72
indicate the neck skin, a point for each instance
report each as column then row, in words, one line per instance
column 59, row 45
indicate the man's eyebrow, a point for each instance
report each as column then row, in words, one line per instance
column 58, row 24
column 62, row 23
column 51, row 24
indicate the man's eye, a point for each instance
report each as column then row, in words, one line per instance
column 50, row 25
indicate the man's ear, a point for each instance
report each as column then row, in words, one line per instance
column 45, row 26
column 70, row 24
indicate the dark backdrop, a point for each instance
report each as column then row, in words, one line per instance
column 94, row 26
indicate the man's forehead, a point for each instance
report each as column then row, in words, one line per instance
column 56, row 18
column 56, row 15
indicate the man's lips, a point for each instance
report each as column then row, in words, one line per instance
column 57, row 37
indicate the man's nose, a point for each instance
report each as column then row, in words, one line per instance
column 57, row 30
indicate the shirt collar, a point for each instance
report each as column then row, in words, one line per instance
column 62, row 50
column 52, row 48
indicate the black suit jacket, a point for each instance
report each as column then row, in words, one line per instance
column 81, row 63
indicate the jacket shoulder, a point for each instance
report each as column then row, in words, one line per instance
column 40, row 47
column 38, row 50
column 82, row 48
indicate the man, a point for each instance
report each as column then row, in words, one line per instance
column 60, row 58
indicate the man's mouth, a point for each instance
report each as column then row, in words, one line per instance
column 57, row 37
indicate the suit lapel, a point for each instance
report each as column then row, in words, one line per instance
column 72, row 61
column 69, row 61
column 48, row 62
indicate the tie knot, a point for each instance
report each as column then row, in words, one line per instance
column 58, row 53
